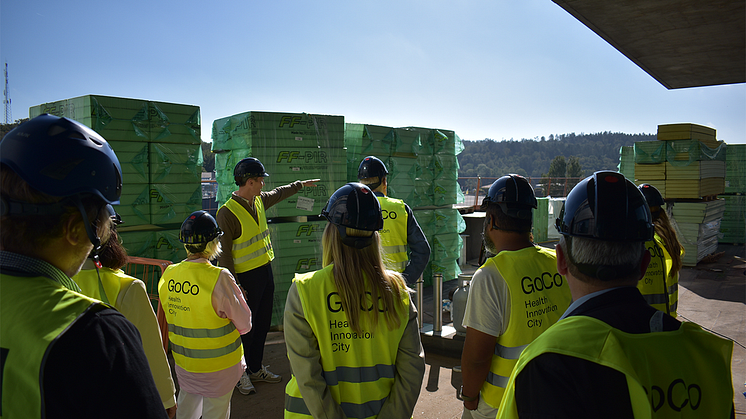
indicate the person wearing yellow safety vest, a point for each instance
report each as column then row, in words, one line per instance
column 62, row 354
column 514, row 296
column 206, row 314
column 129, row 295
column 248, row 253
column 400, row 228
column 350, row 328
column 612, row 355
column 660, row 285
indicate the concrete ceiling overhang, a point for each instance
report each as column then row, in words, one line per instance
column 681, row 43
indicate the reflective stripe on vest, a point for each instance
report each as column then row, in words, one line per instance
column 253, row 247
column 34, row 313
column 538, row 297
column 201, row 341
column 658, row 386
column 106, row 288
column 394, row 233
column 360, row 387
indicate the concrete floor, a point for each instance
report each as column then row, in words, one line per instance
column 710, row 294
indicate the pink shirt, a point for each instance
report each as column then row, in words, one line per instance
column 229, row 303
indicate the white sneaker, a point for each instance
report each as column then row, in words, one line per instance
column 265, row 375
column 244, row 385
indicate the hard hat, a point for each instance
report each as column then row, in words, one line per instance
column 606, row 206
column 354, row 205
column 652, row 195
column 371, row 166
column 247, row 168
column 514, row 195
column 115, row 217
column 199, row 228
column 61, row 157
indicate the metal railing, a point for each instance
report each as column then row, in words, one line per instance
column 543, row 186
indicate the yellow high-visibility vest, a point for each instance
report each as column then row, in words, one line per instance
column 359, row 369
column 660, row 286
column 539, row 296
column 253, row 247
column 34, row 312
column 652, row 362
column 394, row 233
column 107, row 291
column 201, row 341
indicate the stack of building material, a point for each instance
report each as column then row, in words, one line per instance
column 698, row 226
column 733, row 225
column 423, row 172
column 292, row 146
column 158, row 146
column 297, row 247
column 695, row 161
column 687, row 165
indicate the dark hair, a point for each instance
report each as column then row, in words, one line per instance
column 505, row 222
column 25, row 233
column 113, row 255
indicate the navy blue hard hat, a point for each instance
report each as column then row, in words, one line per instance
column 514, row 195
column 354, row 205
column 371, row 166
column 63, row 158
column 199, row 228
column 606, row 206
column 652, row 195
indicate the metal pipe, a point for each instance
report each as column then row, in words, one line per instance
column 438, row 303
column 419, row 285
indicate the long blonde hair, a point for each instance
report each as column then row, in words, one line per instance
column 666, row 232
column 360, row 271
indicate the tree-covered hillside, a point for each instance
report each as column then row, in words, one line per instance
column 598, row 151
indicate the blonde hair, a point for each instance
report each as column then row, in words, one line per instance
column 209, row 251
column 665, row 230
column 358, row 272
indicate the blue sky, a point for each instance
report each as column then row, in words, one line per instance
column 485, row 69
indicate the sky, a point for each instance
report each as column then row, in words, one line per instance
column 483, row 68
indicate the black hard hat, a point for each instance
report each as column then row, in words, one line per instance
column 247, row 168
column 63, row 158
column 199, row 228
column 652, row 195
column 606, row 206
column 371, row 166
column 514, row 195
column 354, row 205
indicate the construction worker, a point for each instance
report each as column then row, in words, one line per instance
column 206, row 314
column 400, row 228
column 130, row 297
column 244, row 222
column 63, row 355
column 660, row 285
column 514, row 296
column 350, row 328
column 612, row 355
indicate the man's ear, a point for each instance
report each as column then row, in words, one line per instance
column 74, row 231
column 561, row 261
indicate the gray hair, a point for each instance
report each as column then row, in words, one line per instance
column 601, row 253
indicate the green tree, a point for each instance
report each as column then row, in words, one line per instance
column 208, row 164
column 558, row 167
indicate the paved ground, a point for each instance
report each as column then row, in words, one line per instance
column 711, row 294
